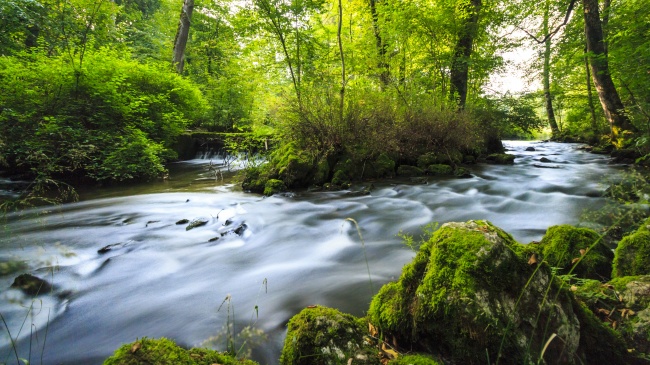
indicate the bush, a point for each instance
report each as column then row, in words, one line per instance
column 112, row 120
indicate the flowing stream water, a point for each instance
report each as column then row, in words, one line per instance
column 290, row 251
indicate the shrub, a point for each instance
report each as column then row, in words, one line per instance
column 112, row 120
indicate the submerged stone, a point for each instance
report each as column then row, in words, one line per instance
column 31, row 285
column 196, row 223
column 321, row 335
column 165, row 352
column 11, row 267
column 183, row 221
column 469, row 296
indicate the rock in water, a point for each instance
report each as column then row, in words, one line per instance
column 31, row 285
column 470, row 294
column 196, row 223
column 530, row 149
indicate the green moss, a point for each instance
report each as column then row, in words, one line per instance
column 415, row 360
column 255, row 179
column 439, row 158
column 165, row 352
column 409, row 171
column 293, row 165
column 383, row 166
column 561, row 247
column 440, row 169
column 326, row 336
column 501, row 159
column 632, row 255
column 470, row 294
column 340, row 179
column 274, row 186
column 322, row 172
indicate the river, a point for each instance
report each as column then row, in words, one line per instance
column 293, row 250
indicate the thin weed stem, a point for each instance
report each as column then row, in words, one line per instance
column 365, row 256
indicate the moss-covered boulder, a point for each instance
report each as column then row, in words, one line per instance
column 383, row 166
column 409, row 171
column 469, row 296
column 440, row 170
column 255, row 179
column 274, row 186
column 439, row 158
column 500, row 159
column 632, row 255
column 565, row 246
column 293, row 165
column 165, row 352
column 321, row 335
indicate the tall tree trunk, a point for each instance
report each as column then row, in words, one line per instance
column 338, row 37
column 546, row 73
column 462, row 53
column 382, row 63
column 609, row 99
column 592, row 108
column 183, row 32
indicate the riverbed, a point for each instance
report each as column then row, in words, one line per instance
column 122, row 268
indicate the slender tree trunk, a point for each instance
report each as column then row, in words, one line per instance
column 462, row 52
column 182, row 34
column 546, row 73
column 592, row 108
column 609, row 99
column 274, row 19
column 382, row 64
column 338, row 37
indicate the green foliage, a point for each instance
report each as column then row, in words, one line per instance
column 509, row 117
column 165, row 352
column 114, row 120
column 576, row 250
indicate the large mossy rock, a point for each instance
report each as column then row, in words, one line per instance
column 470, row 297
column 165, row 352
column 564, row 246
column 320, row 335
column 632, row 255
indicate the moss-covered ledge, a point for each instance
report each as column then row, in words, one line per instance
column 163, row 351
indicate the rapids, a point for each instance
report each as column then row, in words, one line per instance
column 159, row 279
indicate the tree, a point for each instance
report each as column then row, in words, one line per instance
column 180, row 42
column 460, row 63
column 607, row 93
